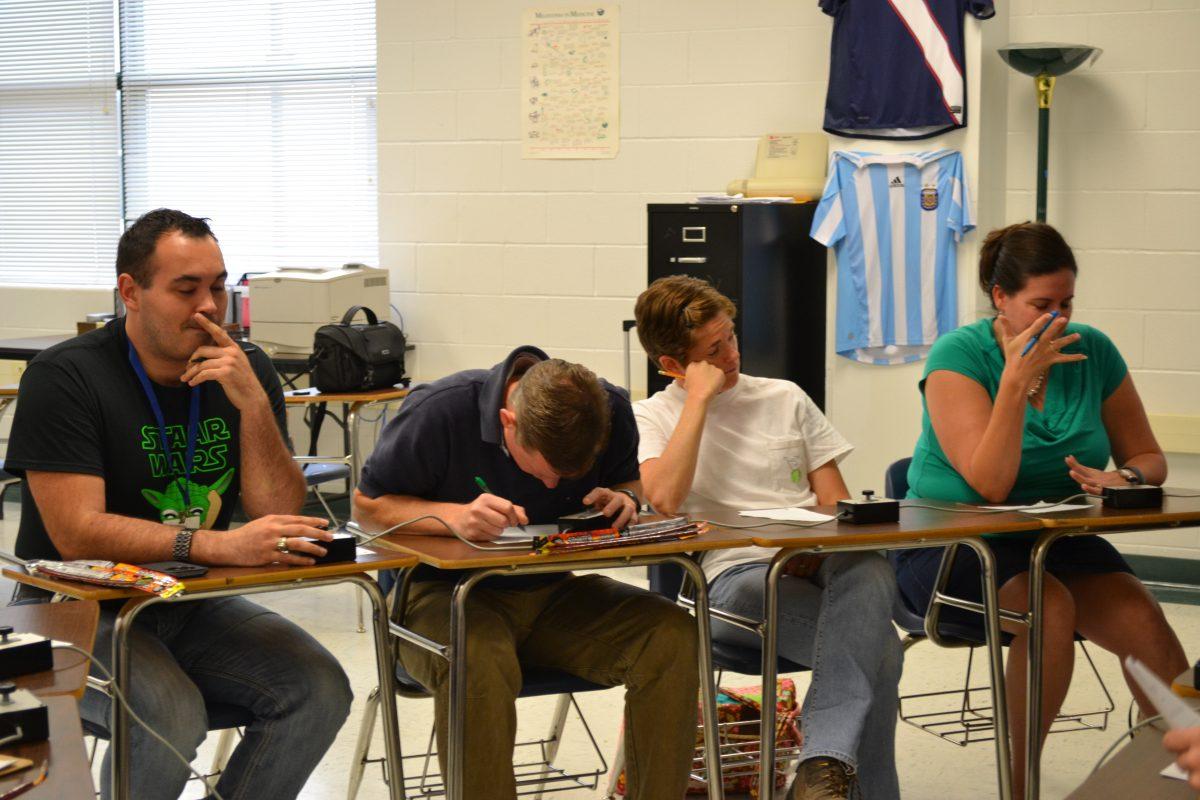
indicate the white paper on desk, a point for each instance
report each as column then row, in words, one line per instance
column 518, row 535
column 362, row 551
column 1042, row 507
column 1174, row 772
column 789, row 514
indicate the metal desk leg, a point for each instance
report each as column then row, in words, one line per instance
column 995, row 648
column 122, row 646
column 352, row 450
column 387, row 683
column 457, row 656
column 708, row 692
column 1033, row 674
column 770, row 666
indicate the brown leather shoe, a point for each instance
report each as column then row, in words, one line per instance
column 822, row 778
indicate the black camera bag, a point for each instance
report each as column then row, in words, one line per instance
column 356, row 358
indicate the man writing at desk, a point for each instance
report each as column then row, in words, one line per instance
column 547, row 437
column 136, row 442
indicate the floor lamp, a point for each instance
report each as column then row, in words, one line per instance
column 1045, row 62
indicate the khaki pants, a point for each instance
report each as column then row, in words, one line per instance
column 591, row 626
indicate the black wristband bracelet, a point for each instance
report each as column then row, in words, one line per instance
column 632, row 495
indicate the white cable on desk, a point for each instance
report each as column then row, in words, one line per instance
column 362, row 537
column 1129, row 732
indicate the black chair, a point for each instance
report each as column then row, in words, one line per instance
column 963, row 722
column 532, row 776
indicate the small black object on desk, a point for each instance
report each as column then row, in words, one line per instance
column 343, row 547
column 22, row 715
column 1134, row 496
column 23, row 653
column 869, row 509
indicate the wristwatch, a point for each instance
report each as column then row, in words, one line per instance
column 182, row 549
column 1131, row 474
column 632, row 495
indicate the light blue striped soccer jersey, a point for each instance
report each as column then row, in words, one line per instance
column 894, row 222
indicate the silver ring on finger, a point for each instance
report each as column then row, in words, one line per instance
column 282, row 545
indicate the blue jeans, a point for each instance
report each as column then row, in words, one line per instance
column 839, row 622
column 230, row 651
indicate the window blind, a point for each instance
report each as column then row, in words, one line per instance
column 260, row 116
column 60, row 182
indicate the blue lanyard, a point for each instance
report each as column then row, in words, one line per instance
column 193, row 423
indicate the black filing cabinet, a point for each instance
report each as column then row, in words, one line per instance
column 763, row 259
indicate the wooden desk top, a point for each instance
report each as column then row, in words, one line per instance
column 9, row 389
column 915, row 524
column 1133, row 773
column 446, row 552
column 309, row 396
column 67, row 622
column 1185, row 684
column 69, row 776
column 226, row 577
column 1174, row 511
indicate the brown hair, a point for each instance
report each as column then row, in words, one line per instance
column 1011, row 256
column 562, row 412
column 671, row 308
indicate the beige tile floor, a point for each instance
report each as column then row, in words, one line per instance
column 930, row 769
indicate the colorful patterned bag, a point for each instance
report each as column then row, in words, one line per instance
column 738, row 715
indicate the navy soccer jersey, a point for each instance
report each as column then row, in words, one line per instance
column 896, row 67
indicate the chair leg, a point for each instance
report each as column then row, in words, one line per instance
column 221, row 756
column 554, row 736
column 366, row 729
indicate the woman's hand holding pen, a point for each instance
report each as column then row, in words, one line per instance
column 486, row 517
column 1022, row 371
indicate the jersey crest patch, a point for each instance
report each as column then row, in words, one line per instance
column 929, row 198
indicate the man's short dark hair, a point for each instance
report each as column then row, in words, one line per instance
column 562, row 412
column 138, row 242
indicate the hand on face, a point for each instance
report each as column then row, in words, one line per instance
column 617, row 506
column 703, row 380
column 1045, row 353
column 224, row 362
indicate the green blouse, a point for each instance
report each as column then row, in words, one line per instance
column 1069, row 423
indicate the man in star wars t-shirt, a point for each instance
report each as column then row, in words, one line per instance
column 136, row 442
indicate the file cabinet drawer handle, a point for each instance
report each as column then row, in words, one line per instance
column 697, row 233
column 689, row 260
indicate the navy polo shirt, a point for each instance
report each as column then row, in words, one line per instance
column 448, row 432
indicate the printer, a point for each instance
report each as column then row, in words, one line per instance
column 289, row 304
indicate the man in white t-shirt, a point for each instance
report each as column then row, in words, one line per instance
column 719, row 438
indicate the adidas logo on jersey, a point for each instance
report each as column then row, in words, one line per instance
column 896, row 183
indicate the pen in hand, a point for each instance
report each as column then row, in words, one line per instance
column 1033, row 340
column 483, row 487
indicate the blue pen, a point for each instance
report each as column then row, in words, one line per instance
column 1029, row 345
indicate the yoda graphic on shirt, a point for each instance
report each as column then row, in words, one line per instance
column 204, row 506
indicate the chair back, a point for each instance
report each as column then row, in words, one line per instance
column 895, row 480
column 665, row 579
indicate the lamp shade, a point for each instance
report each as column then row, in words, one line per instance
column 1048, row 58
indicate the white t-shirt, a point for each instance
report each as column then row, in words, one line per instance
column 761, row 439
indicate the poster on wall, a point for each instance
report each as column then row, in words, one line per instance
column 570, row 89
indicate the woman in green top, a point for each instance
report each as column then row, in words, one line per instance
column 1005, row 426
